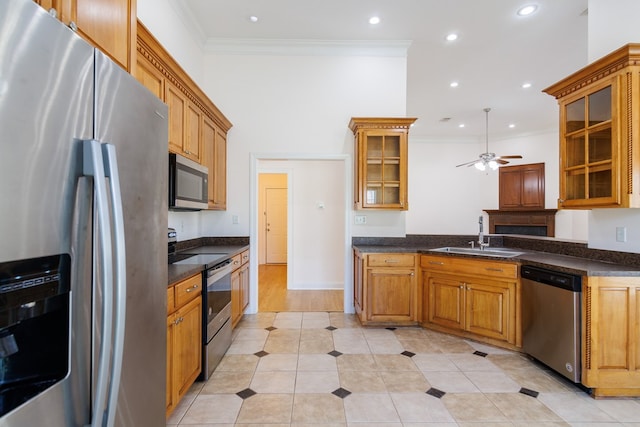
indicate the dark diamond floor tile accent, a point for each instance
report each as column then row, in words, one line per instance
column 246, row 393
column 529, row 392
column 435, row 392
column 408, row 354
column 261, row 353
column 341, row 393
column 335, row 353
column 480, row 353
column 391, row 329
column 331, row 328
column 271, row 328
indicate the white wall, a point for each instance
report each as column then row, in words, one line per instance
column 623, row 14
column 294, row 105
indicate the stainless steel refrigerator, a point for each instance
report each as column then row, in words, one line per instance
column 83, row 218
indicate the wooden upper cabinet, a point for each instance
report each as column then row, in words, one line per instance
column 600, row 132
column 214, row 146
column 522, row 187
column 197, row 128
column 381, row 158
column 110, row 25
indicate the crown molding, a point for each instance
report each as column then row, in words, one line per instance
column 389, row 48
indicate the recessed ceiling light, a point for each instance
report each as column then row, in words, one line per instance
column 511, row 126
column 461, row 125
column 451, row 37
column 453, row 84
column 374, row 20
column 253, row 18
column 526, row 85
column 527, row 10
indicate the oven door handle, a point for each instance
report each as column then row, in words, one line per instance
column 221, row 270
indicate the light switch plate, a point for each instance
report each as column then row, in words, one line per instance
column 360, row 219
column 621, row 234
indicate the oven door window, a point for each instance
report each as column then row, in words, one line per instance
column 218, row 296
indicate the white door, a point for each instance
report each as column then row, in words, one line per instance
column 276, row 225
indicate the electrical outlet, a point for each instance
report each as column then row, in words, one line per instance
column 235, row 219
column 360, row 219
column 621, row 234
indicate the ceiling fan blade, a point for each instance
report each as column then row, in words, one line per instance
column 467, row 163
column 502, row 162
column 515, row 156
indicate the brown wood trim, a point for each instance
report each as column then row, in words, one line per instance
column 627, row 55
column 357, row 123
column 542, row 217
column 149, row 47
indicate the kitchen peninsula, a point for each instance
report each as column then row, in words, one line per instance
column 609, row 309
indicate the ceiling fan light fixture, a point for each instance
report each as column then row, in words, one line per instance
column 493, row 165
column 480, row 165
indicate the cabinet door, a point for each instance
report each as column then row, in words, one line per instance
column 244, row 288
column 384, row 169
column 391, row 295
column 177, row 103
column 214, row 156
column 522, row 186
column 109, row 25
column 150, row 77
column 446, row 301
column 588, row 149
column 487, row 310
column 193, row 137
column 188, row 345
column 236, row 298
column 358, row 291
column 220, row 176
column 172, row 393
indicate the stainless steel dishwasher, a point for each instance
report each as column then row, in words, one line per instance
column 551, row 319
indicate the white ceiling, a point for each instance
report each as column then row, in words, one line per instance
column 496, row 52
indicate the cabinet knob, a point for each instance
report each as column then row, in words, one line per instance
column 53, row 12
column 73, row 26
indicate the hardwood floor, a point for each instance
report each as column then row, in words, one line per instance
column 274, row 296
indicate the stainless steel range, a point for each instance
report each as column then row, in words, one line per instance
column 216, row 301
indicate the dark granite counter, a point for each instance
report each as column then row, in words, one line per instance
column 541, row 252
column 178, row 272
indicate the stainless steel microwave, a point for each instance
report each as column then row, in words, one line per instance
column 188, row 184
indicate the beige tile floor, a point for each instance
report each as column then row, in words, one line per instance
column 279, row 372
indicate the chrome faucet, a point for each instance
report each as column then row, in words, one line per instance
column 481, row 241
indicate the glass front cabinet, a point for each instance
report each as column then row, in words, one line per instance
column 599, row 126
column 380, row 155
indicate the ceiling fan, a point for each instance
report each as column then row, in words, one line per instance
column 489, row 159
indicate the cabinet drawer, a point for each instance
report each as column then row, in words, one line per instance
column 391, row 260
column 187, row 290
column 469, row 266
column 171, row 299
column 244, row 257
column 236, row 261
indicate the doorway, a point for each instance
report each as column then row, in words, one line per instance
column 300, row 217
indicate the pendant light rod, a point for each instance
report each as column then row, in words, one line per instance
column 486, row 110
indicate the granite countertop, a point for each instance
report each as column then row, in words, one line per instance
column 178, row 272
column 557, row 262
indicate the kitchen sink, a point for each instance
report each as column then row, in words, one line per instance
column 491, row 252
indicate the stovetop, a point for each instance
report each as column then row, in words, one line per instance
column 197, row 259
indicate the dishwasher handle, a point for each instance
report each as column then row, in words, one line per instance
column 558, row 279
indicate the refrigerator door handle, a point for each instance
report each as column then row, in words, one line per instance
column 93, row 165
column 111, row 171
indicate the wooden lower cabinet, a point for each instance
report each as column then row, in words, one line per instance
column 239, row 286
column 611, row 335
column 386, row 289
column 184, row 338
column 473, row 298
